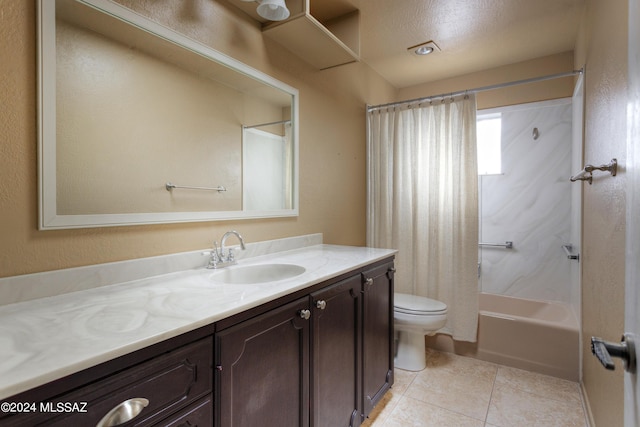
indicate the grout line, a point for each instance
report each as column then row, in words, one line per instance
column 493, row 386
column 406, row 395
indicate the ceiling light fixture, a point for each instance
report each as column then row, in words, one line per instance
column 273, row 10
column 423, row 49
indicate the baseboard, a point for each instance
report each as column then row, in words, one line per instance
column 586, row 406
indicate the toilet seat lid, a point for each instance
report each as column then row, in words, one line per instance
column 414, row 304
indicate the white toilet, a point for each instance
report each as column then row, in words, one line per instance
column 414, row 317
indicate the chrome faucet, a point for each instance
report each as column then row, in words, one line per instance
column 218, row 258
column 224, row 239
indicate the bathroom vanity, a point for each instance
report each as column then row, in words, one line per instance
column 311, row 350
column 305, row 360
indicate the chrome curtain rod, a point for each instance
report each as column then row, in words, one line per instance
column 479, row 89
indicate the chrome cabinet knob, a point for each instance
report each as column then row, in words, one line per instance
column 321, row 304
column 368, row 281
column 304, row 314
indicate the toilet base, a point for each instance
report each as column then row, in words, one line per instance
column 411, row 352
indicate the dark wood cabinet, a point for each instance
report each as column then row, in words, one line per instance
column 324, row 360
column 337, row 355
column 377, row 339
column 168, row 383
column 263, row 369
column 199, row 414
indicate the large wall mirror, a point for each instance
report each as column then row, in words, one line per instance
column 139, row 124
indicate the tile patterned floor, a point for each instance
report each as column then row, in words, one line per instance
column 459, row 391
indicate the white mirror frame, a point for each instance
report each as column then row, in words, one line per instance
column 48, row 216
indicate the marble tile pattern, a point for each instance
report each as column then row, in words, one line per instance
column 455, row 391
column 49, row 283
column 48, row 338
column 529, row 204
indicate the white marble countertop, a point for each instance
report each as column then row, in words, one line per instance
column 48, row 338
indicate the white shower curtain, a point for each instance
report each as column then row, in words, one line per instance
column 423, row 201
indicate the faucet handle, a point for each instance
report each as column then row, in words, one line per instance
column 213, row 258
column 231, row 255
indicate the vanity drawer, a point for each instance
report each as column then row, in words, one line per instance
column 169, row 382
column 199, row 414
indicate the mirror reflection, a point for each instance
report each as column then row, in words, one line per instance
column 149, row 126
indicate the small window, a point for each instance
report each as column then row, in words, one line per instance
column 488, row 129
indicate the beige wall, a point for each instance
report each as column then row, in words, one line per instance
column 602, row 46
column 540, row 91
column 332, row 146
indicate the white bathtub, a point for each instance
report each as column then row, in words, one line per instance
column 537, row 336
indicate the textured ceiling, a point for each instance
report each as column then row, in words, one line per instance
column 473, row 35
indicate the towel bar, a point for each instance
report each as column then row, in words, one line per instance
column 169, row 186
column 506, row 245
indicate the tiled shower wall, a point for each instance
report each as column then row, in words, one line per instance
column 529, row 204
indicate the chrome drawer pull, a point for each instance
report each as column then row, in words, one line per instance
column 125, row 411
column 322, row 304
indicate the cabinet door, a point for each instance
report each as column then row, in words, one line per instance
column 377, row 339
column 263, row 369
column 336, row 349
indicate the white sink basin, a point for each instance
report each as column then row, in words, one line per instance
column 257, row 273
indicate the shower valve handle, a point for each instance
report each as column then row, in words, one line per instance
column 626, row 350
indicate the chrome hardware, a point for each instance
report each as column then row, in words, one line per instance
column 280, row 122
column 304, row 314
column 224, row 239
column 465, row 92
column 586, row 174
column 214, row 258
column 626, row 351
column 568, row 249
column 218, row 258
column 322, row 304
column 368, row 281
column 506, row 245
column 169, row 186
column 535, row 133
column 390, row 272
column 125, row 411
